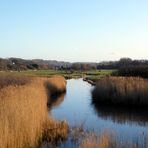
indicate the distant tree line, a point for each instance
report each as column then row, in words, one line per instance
column 125, row 66
column 16, row 64
column 123, row 62
column 141, row 71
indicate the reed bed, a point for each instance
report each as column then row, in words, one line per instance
column 24, row 115
column 7, row 80
column 55, row 85
column 93, row 141
column 109, row 140
column 87, row 138
column 55, row 131
column 124, row 91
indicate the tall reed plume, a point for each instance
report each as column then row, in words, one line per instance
column 23, row 113
column 128, row 91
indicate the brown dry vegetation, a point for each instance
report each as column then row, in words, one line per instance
column 126, row 91
column 55, row 85
column 108, row 140
column 84, row 138
column 55, row 131
column 7, row 80
column 24, row 115
column 93, row 141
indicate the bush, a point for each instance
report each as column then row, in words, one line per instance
column 134, row 71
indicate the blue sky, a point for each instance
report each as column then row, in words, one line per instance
column 74, row 30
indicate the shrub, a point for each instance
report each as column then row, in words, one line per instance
column 141, row 71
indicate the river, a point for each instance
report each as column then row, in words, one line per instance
column 77, row 108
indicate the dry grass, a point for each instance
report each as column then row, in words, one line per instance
column 23, row 114
column 126, row 91
column 55, row 131
column 110, row 140
column 93, row 141
column 8, row 80
column 84, row 138
column 56, row 85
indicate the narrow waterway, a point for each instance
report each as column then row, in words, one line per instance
column 77, row 107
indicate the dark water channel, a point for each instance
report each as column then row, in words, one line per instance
column 77, row 107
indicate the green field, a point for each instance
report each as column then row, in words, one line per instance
column 92, row 75
column 95, row 75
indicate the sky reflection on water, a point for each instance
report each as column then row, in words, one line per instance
column 78, row 108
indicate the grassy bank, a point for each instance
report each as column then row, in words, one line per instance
column 55, row 85
column 43, row 73
column 92, row 74
column 24, row 119
column 124, row 91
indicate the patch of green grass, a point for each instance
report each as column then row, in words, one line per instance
column 93, row 74
column 96, row 75
column 40, row 73
column 99, row 72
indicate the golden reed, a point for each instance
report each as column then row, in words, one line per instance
column 23, row 113
column 128, row 91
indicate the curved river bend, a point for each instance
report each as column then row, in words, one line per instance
column 77, row 108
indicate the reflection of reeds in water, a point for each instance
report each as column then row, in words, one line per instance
column 109, row 140
column 56, row 100
column 123, row 91
column 93, row 141
column 84, row 138
column 81, row 137
column 24, row 116
column 121, row 114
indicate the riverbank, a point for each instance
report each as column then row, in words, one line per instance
column 123, row 91
column 24, row 119
column 89, row 81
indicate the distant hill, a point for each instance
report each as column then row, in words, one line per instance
column 23, row 64
column 39, row 64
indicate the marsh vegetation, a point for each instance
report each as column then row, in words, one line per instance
column 123, row 91
column 25, row 120
column 94, row 124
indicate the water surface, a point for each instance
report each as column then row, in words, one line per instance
column 77, row 107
